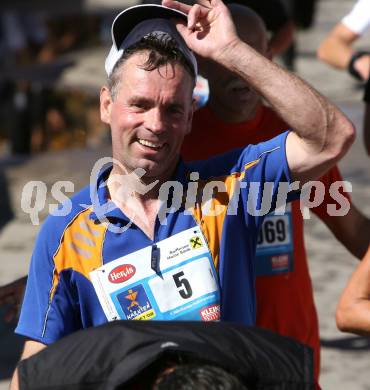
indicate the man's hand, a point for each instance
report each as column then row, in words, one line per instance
column 12, row 295
column 210, row 31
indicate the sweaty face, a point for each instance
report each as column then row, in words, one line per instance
column 150, row 116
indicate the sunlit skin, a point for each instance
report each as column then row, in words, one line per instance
column 149, row 117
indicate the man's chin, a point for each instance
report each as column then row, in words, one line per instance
column 153, row 170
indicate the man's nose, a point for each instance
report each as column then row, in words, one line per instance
column 155, row 121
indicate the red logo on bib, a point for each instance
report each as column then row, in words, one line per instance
column 210, row 313
column 122, row 273
column 280, row 261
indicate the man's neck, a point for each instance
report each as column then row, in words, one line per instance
column 137, row 198
column 229, row 115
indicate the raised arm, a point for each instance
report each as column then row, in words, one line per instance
column 321, row 133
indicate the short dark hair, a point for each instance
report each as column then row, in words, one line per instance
column 162, row 50
column 197, row 376
column 179, row 370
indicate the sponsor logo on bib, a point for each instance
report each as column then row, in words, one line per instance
column 210, row 313
column 135, row 304
column 280, row 261
column 122, row 273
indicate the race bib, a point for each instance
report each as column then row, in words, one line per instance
column 275, row 245
column 183, row 287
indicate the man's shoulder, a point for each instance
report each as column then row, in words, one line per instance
column 240, row 159
column 66, row 212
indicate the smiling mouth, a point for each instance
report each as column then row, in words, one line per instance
column 150, row 144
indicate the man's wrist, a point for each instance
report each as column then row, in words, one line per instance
column 351, row 65
column 227, row 56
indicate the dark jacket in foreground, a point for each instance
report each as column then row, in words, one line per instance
column 112, row 354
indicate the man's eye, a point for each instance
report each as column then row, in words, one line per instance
column 140, row 106
column 175, row 110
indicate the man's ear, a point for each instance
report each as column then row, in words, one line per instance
column 105, row 105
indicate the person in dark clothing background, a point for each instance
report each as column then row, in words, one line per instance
column 277, row 20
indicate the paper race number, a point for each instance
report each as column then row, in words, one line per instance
column 185, row 288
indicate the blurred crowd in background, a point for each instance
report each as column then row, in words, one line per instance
column 36, row 113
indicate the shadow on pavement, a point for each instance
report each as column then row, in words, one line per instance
column 351, row 343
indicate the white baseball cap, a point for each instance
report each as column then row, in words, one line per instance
column 134, row 23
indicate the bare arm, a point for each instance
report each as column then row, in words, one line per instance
column 322, row 134
column 353, row 310
column 352, row 230
column 30, row 348
column 336, row 50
